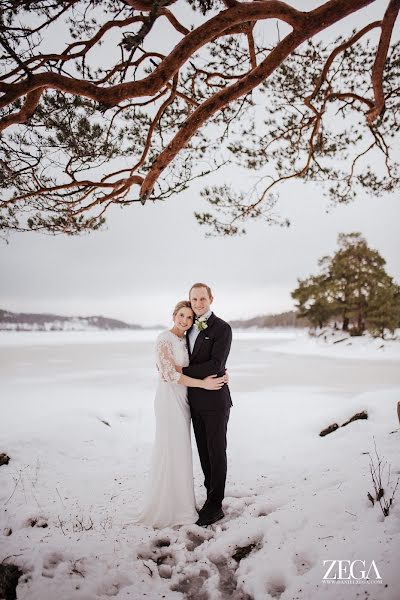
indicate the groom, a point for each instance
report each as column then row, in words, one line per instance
column 209, row 342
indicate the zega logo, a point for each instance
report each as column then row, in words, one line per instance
column 351, row 572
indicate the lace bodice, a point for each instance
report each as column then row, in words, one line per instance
column 170, row 351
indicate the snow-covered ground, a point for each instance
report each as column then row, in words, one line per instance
column 341, row 344
column 293, row 499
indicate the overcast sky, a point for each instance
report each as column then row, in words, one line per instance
column 149, row 256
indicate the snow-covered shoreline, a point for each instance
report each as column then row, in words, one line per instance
column 341, row 345
column 293, row 499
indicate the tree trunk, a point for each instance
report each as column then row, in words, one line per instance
column 360, row 323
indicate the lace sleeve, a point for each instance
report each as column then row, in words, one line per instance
column 165, row 361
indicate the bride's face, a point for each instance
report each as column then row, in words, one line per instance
column 184, row 318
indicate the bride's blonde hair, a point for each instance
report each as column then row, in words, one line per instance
column 181, row 304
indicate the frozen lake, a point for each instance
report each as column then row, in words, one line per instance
column 125, row 359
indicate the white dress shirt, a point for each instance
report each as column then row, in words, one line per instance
column 194, row 332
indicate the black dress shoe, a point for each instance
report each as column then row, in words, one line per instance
column 204, row 507
column 208, row 517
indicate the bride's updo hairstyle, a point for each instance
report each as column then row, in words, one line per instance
column 181, row 304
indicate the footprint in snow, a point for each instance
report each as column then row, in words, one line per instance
column 192, row 586
column 220, row 568
column 227, row 585
column 194, row 583
column 36, row 522
column 160, row 552
column 112, row 584
column 261, row 510
column 302, row 563
column 196, row 536
column 51, row 562
column 276, row 587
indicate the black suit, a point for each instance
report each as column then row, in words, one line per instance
column 210, row 409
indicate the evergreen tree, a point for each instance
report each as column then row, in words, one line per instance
column 384, row 309
column 353, row 288
column 312, row 301
column 355, row 271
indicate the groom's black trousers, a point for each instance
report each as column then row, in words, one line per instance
column 210, row 432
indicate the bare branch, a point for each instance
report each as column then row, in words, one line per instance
column 150, row 85
column 87, row 133
column 31, row 102
column 252, row 49
column 388, row 22
column 333, row 55
column 247, row 83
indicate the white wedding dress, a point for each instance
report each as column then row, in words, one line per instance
column 170, row 500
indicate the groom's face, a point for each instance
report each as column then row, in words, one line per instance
column 200, row 300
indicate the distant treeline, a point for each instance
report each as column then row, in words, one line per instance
column 11, row 321
column 285, row 319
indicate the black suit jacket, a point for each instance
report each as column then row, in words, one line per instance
column 209, row 357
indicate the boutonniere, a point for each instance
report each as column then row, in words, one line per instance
column 200, row 325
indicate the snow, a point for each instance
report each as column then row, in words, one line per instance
column 340, row 344
column 293, row 498
column 41, row 338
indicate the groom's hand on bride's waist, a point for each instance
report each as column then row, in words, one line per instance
column 178, row 368
column 225, row 377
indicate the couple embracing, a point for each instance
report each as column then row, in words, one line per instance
column 191, row 358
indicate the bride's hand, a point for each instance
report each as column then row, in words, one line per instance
column 226, row 376
column 212, row 382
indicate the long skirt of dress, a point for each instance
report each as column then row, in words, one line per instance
column 169, row 500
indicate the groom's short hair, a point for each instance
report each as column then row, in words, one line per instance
column 201, row 285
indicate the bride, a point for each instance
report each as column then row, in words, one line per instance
column 170, row 497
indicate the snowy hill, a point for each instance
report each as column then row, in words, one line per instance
column 10, row 321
